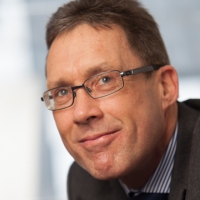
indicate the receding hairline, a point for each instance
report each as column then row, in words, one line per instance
column 95, row 25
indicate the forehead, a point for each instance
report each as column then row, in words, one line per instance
column 85, row 51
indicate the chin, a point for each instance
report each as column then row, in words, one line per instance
column 104, row 173
column 104, row 176
column 103, row 166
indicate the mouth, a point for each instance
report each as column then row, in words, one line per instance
column 98, row 141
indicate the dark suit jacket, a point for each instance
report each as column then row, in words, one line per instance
column 185, row 183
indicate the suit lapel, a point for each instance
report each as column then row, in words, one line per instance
column 187, row 118
column 194, row 173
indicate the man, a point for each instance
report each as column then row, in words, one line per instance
column 114, row 96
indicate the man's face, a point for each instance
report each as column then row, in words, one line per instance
column 115, row 135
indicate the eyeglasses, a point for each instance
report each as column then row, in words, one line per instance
column 97, row 86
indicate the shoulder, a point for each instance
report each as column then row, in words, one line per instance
column 186, row 176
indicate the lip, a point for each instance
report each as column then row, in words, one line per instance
column 97, row 141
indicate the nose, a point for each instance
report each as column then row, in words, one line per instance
column 86, row 108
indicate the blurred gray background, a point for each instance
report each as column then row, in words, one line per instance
column 33, row 161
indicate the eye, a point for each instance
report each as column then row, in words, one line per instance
column 104, row 80
column 62, row 92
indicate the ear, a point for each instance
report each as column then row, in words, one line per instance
column 169, row 85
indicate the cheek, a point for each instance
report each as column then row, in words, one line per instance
column 62, row 124
column 141, row 111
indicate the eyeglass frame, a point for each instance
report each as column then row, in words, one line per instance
column 135, row 71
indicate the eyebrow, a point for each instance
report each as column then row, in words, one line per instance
column 60, row 83
column 101, row 67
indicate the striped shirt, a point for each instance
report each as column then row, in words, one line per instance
column 161, row 179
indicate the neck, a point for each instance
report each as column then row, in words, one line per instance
column 138, row 178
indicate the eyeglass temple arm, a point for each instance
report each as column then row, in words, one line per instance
column 141, row 70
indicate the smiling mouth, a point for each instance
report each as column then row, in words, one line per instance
column 92, row 142
column 95, row 137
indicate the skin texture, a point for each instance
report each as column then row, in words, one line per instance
column 123, row 135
